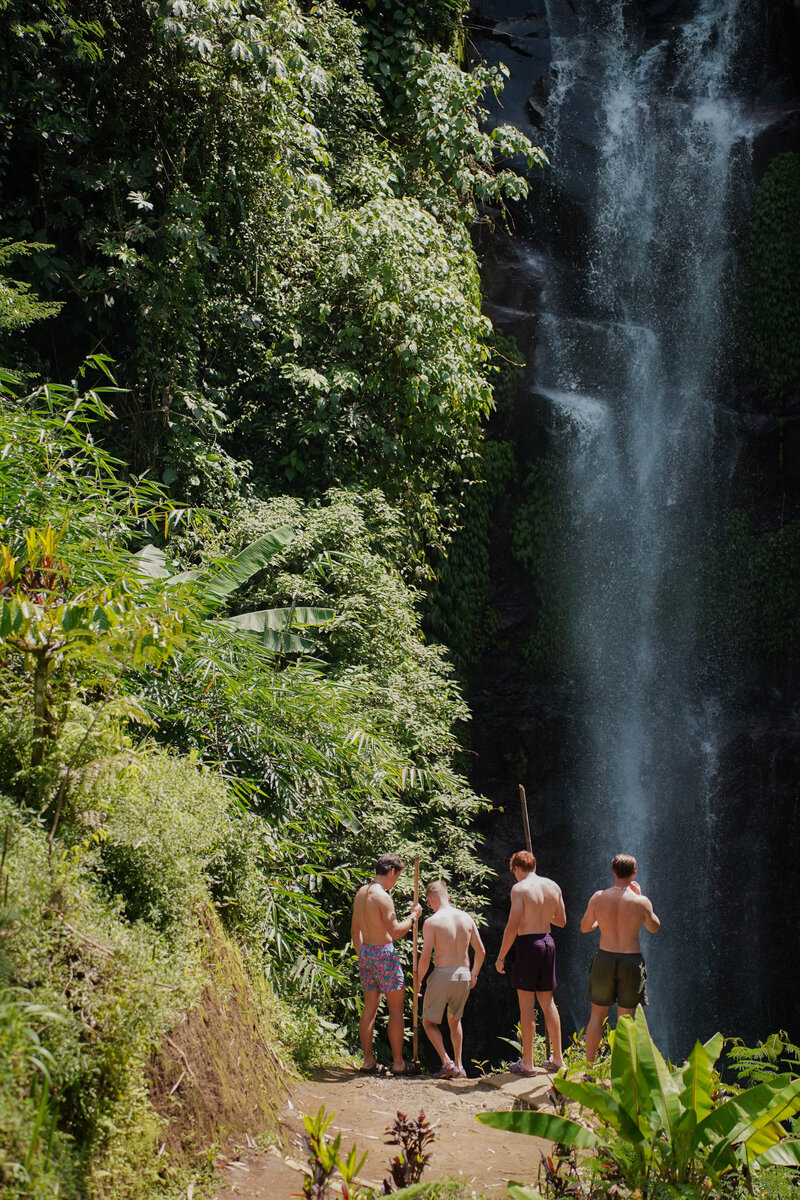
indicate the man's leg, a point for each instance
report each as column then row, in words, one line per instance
column 553, row 1022
column 527, row 1025
column 394, row 1001
column 437, row 1041
column 594, row 1030
column 625, row 1012
column 457, row 1038
column 366, row 1026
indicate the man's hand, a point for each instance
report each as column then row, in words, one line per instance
column 416, row 912
column 633, row 885
column 500, row 966
column 473, row 979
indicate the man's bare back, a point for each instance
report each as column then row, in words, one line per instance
column 542, row 904
column 452, row 932
column 374, row 921
column 620, row 912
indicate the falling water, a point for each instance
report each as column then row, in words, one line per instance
column 629, row 357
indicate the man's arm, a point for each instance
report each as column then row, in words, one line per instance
column 478, row 954
column 397, row 929
column 510, row 932
column 589, row 918
column 425, row 957
column 651, row 921
column 559, row 916
column 355, row 932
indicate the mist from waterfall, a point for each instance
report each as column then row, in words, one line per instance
column 629, row 355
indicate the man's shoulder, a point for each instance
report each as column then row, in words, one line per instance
column 549, row 883
column 543, row 884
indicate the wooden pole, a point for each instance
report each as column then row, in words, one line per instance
column 525, row 822
column 414, row 960
column 526, row 825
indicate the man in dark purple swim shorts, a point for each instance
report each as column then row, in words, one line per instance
column 534, row 966
column 536, row 904
column 373, row 930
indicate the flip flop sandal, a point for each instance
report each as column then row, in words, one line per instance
column 376, row 1069
column 409, row 1069
column 517, row 1069
column 550, row 1066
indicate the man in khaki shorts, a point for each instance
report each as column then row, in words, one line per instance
column 447, row 935
column 617, row 973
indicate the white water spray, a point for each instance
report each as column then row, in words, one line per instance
column 628, row 358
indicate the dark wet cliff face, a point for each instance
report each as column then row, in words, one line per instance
column 639, row 712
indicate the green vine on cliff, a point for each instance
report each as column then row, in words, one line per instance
column 771, row 267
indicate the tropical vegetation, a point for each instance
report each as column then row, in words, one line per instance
column 246, row 500
column 244, row 375
column 658, row 1130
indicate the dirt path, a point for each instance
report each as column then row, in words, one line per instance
column 365, row 1106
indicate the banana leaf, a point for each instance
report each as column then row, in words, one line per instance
column 627, row 1081
column 601, row 1102
column 273, row 624
column 659, row 1082
column 741, row 1119
column 784, row 1154
column 544, row 1125
column 244, row 566
column 698, row 1082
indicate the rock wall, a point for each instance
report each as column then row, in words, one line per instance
column 524, row 722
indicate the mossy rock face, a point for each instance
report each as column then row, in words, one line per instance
column 219, row 1074
column 771, row 280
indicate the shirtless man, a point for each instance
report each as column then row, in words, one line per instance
column 448, row 935
column 536, row 904
column 618, row 972
column 373, row 929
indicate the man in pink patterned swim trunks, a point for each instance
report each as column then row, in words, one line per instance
column 373, row 930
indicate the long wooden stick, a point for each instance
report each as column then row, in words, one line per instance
column 414, row 959
column 525, row 822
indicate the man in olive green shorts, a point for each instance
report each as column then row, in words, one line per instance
column 618, row 973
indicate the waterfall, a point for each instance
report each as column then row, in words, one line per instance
column 632, row 343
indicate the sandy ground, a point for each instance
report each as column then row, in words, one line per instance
column 365, row 1106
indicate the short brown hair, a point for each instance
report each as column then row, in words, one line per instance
column 436, row 888
column 524, row 860
column 387, row 863
column 624, row 866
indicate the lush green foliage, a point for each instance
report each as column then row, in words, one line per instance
column 307, row 779
column 98, row 993
column 659, row 1127
column 753, row 587
column 759, row 1063
column 261, row 211
column 460, row 612
column 539, row 536
column 18, row 308
column 771, row 278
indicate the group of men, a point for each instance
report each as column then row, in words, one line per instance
column 617, row 974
